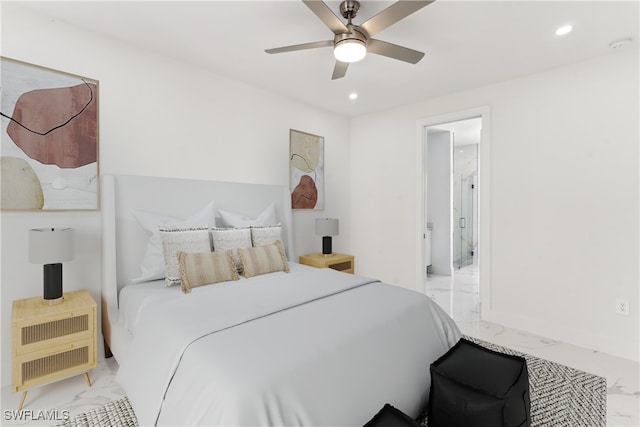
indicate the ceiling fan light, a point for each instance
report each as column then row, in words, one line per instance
column 350, row 50
column 564, row 30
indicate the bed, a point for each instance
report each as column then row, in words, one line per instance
column 293, row 346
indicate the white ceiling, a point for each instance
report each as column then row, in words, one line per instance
column 467, row 43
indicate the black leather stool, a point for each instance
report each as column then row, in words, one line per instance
column 473, row 386
column 391, row 417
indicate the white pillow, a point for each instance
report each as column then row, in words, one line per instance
column 230, row 239
column 237, row 220
column 181, row 240
column 263, row 236
column 152, row 267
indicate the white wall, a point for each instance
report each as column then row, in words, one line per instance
column 564, row 198
column 166, row 118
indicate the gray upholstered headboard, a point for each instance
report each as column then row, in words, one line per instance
column 124, row 241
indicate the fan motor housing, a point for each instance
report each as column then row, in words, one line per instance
column 353, row 34
column 349, row 9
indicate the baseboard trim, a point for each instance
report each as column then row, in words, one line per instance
column 612, row 344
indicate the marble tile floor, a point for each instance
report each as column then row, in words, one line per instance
column 458, row 295
column 51, row 404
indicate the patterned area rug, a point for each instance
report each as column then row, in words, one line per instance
column 560, row 397
column 113, row 414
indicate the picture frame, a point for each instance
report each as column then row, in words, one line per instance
column 306, row 170
column 49, row 143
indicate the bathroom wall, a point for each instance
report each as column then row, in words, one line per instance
column 439, row 199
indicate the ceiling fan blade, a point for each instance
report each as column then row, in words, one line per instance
column 391, row 15
column 303, row 46
column 325, row 14
column 394, row 51
column 339, row 70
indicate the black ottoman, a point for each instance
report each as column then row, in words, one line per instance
column 473, row 386
column 391, row 417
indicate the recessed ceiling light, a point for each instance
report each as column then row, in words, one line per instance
column 353, row 96
column 565, row 29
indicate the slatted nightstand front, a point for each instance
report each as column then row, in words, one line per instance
column 51, row 342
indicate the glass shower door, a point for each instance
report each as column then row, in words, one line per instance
column 464, row 212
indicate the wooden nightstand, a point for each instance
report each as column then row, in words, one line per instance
column 336, row 261
column 51, row 342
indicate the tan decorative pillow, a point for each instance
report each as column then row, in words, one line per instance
column 204, row 268
column 263, row 259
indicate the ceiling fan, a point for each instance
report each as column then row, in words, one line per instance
column 352, row 42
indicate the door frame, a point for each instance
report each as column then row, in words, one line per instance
column 484, row 197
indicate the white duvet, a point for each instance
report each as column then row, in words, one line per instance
column 314, row 347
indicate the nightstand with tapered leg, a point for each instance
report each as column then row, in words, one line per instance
column 52, row 341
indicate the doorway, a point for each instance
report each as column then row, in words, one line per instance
column 451, row 194
column 455, row 196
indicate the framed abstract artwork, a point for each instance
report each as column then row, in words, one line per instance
column 49, row 140
column 306, row 170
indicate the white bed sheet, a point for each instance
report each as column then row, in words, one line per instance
column 135, row 297
column 297, row 349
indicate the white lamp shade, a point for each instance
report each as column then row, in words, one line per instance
column 327, row 227
column 50, row 245
column 350, row 50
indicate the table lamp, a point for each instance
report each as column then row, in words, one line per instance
column 326, row 227
column 50, row 247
